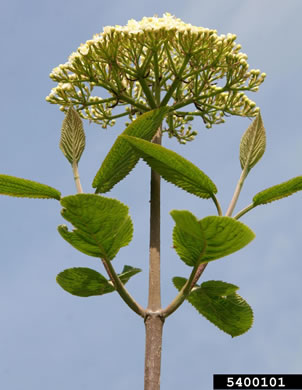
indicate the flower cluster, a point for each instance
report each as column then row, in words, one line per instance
column 157, row 62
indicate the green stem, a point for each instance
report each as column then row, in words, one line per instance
column 217, row 204
column 236, row 193
column 185, row 291
column 76, row 177
column 120, row 288
column 176, row 82
column 244, row 211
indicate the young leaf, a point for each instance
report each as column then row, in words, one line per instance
column 128, row 272
column 72, row 142
column 252, row 145
column 174, row 168
column 278, row 192
column 15, row 186
column 85, row 282
column 208, row 239
column 103, row 225
column 121, row 158
column 224, row 235
column 188, row 237
column 220, row 304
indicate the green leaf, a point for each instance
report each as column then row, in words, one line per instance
column 85, row 282
column 252, row 145
column 174, row 168
column 72, row 141
column 279, row 191
column 224, row 235
column 208, row 239
column 220, row 304
column 121, row 158
column 103, row 225
column 128, row 272
column 15, row 186
column 188, row 237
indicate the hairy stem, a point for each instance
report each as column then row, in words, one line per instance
column 153, row 319
column 76, row 177
column 237, row 192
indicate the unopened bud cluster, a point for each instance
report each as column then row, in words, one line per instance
column 158, row 61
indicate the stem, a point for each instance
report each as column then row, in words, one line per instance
column 120, row 288
column 237, row 192
column 153, row 320
column 244, row 211
column 185, row 291
column 217, row 204
column 76, row 177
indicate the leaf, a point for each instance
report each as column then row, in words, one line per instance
column 127, row 273
column 174, row 168
column 103, row 225
column 208, row 239
column 72, row 142
column 220, row 304
column 278, row 192
column 224, row 235
column 15, row 186
column 85, row 282
column 188, row 237
column 253, row 143
column 121, row 158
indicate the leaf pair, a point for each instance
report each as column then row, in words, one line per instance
column 220, row 304
column 208, row 239
column 134, row 143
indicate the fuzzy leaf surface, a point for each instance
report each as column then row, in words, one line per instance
column 85, row 282
column 253, row 143
column 220, row 304
column 72, row 142
column 278, row 192
column 121, row 158
column 209, row 239
column 188, row 237
column 15, row 186
column 102, row 225
column 174, row 168
column 224, row 235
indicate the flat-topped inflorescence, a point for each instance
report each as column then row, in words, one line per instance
column 156, row 62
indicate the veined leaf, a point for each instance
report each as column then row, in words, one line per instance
column 15, row 186
column 279, row 191
column 72, row 141
column 224, row 235
column 103, row 225
column 252, row 145
column 85, row 282
column 220, row 304
column 121, row 158
column 208, row 239
column 174, row 168
column 128, row 272
column 188, row 237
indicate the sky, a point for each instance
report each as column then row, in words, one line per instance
column 50, row 339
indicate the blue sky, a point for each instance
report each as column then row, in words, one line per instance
column 50, row 339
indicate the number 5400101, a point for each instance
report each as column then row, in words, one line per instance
column 255, row 381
